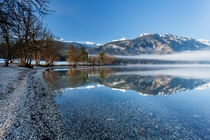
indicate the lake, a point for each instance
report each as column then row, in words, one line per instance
column 147, row 102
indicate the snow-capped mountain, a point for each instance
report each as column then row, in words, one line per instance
column 204, row 41
column 151, row 44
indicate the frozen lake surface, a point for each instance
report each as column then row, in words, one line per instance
column 133, row 102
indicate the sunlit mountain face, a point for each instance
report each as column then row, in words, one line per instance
column 144, row 44
column 145, row 81
column 151, row 44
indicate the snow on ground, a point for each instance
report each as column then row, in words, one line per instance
column 61, row 63
column 1, row 60
column 41, row 62
column 27, row 106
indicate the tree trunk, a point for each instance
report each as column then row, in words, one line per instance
column 7, row 50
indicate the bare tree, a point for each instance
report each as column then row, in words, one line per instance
column 74, row 56
column 6, row 23
column 5, row 32
column 14, row 12
column 50, row 48
column 26, row 35
column 101, row 58
column 92, row 60
column 109, row 60
column 86, row 57
column 83, row 55
column 37, row 34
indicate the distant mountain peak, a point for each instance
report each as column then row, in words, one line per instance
column 151, row 43
column 145, row 34
column 207, row 42
column 121, row 39
column 165, row 35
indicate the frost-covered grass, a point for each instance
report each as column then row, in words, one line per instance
column 41, row 62
column 27, row 106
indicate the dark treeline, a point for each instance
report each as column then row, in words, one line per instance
column 23, row 33
column 77, row 55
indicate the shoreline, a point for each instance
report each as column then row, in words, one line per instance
column 27, row 106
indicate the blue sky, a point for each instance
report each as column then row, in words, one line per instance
column 102, row 21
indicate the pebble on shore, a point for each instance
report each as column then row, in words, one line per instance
column 27, row 107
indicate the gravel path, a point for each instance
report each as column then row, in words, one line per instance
column 27, row 106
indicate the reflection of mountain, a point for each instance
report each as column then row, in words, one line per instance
column 150, row 85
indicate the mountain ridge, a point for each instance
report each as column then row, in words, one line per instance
column 153, row 43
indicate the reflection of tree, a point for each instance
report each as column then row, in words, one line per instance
column 77, row 77
column 101, row 73
column 50, row 78
column 151, row 85
column 92, row 71
column 105, row 72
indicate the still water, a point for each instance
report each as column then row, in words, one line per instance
column 133, row 102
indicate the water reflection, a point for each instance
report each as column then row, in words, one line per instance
column 74, row 77
column 104, row 103
column 139, row 80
